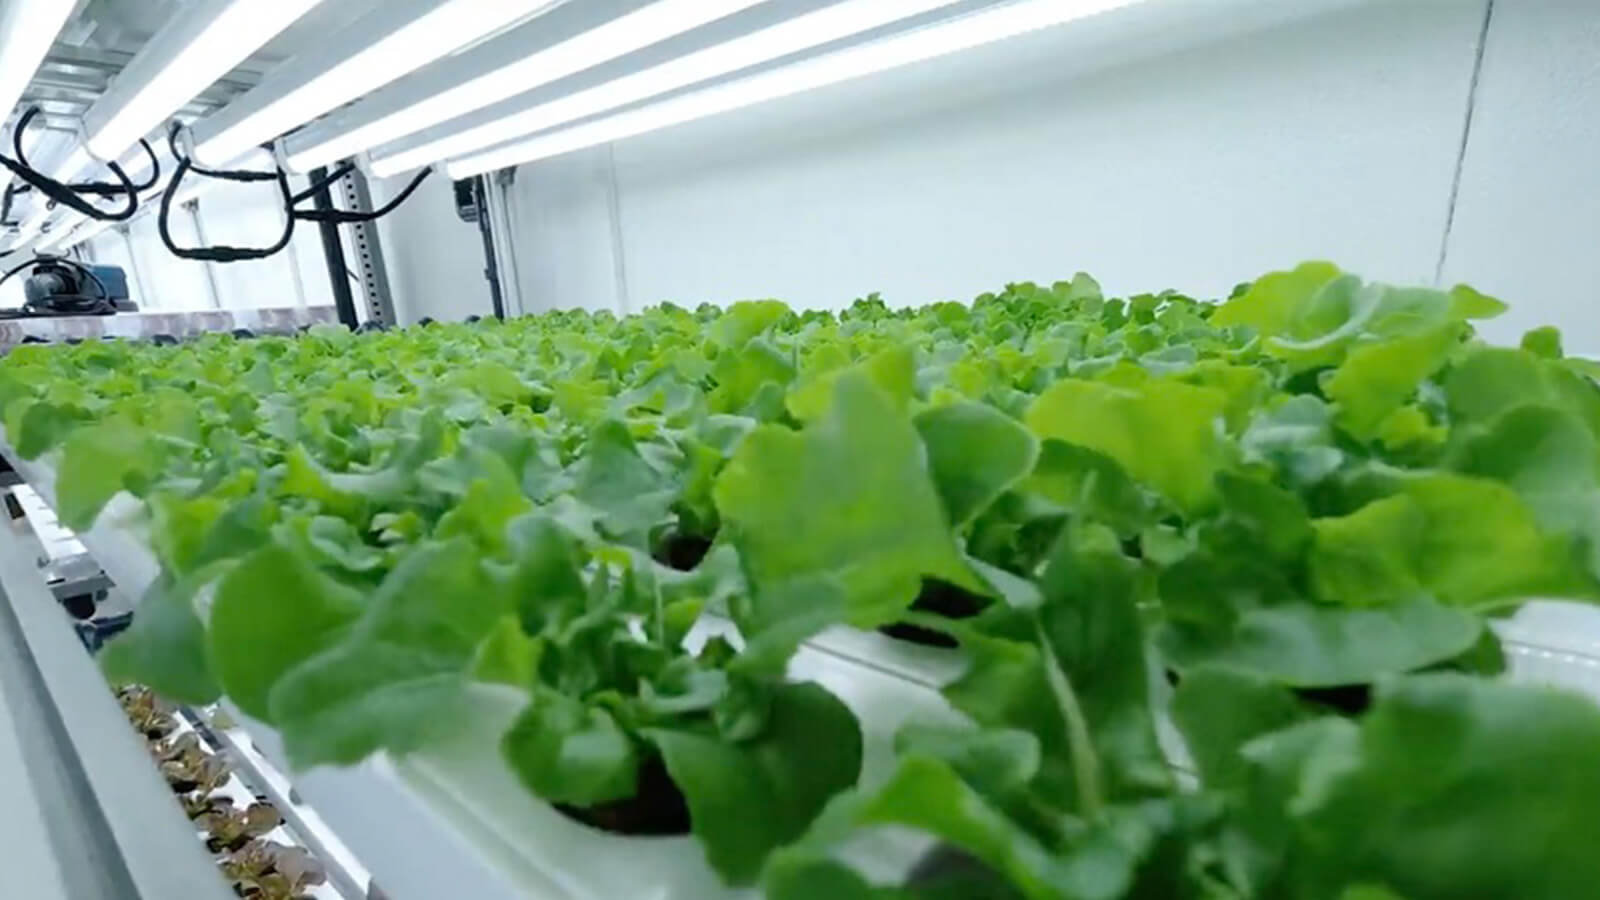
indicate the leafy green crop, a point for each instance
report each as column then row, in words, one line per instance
column 1318, row 490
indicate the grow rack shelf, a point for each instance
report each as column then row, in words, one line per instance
column 453, row 820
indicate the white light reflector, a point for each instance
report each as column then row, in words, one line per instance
column 803, row 32
column 398, row 37
column 623, row 35
column 198, row 45
column 960, row 33
column 27, row 29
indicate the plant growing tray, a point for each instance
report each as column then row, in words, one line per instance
column 454, row 821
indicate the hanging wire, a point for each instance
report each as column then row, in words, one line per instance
column 68, row 195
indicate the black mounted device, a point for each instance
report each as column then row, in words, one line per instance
column 58, row 286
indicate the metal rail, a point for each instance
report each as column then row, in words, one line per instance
column 112, row 827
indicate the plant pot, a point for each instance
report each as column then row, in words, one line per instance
column 658, row 808
column 1345, row 699
column 682, row 552
column 940, row 598
column 953, row 872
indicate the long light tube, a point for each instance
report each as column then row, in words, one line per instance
column 196, row 47
column 398, row 37
column 27, row 29
column 378, row 119
column 803, row 32
column 959, row 33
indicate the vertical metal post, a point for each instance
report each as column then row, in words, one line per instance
column 193, row 207
column 294, row 275
column 146, row 301
column 133, row 266
column 619, row 254
column 368, row 249
column 491, row 269
column 505, row 229
column 338, row 276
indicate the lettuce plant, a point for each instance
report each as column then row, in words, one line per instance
column 1296, row 511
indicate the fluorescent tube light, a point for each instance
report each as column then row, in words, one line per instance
column 397, row 37
column 411, row 107
column 950, row 36
column 199, row 44
column 803, row 32
column 27, row 29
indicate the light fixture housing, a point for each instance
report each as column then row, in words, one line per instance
column 197, row 46
column 939, row 39
column 521, row 117
column 27, row 29
column 395, row 38
column 576, row 37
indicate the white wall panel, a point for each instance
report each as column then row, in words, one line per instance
column 110, row 249
column 11, row 295
column 435, row 260
column 1334, row 137
column 250, row 215
column 173, row 284
column 566, row 253
column 1527, row 224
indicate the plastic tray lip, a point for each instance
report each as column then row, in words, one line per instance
column 125, row 558
column 469, row 832
column 473, row 853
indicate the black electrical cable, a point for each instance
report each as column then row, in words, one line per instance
column 340, row 217
column 104, row 189
column 220, row 252
column 224, row 174
column 99, row 188
column 324, row 182
column 16, row 133
column 185, row 166
column 5, row 204
column 65, row 194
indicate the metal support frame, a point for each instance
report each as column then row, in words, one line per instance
column 293, row 256
column 111, row 826
column 145, row 300
column 368, row 249
column 504, row 226
column 491, row 270
column 338, row 274
column 212, row 284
